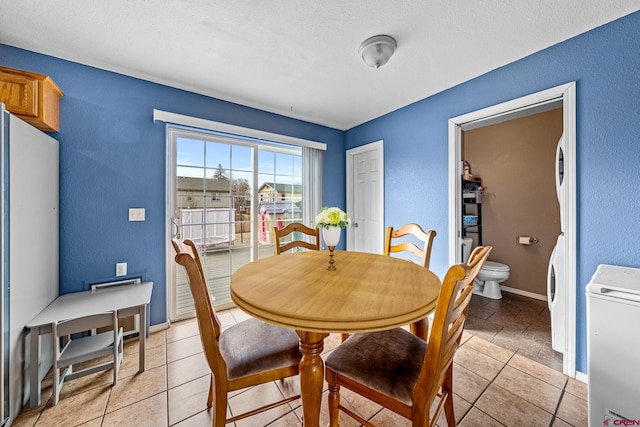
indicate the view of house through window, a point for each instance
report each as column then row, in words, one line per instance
column 227, row 195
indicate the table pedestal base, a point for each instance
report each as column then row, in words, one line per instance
column 311, row 375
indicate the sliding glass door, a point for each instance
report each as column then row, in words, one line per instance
column 226, row 194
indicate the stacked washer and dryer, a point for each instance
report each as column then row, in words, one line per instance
column 555, row 292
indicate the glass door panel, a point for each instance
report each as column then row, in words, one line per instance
column 210, row 214
column 212, row 196
column 280, row 193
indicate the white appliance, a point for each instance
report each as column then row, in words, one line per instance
column 4, row 270
column 555, row 286
column 29, row 238
column 613, row 347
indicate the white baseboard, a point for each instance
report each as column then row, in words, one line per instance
column 582, row 377
column 523, row 293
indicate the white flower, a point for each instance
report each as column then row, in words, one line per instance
column 332, row 217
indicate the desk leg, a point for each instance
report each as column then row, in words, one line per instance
column 311, row 375
column 142, row 336
column 34, row 360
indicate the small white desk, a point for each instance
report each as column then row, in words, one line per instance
column 127, row 300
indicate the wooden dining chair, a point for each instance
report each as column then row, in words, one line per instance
column 411, row 240
column 279, row 237
column 400, row 371
column 75, row 351
column 249, row 353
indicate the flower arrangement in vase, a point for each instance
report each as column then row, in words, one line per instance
column 331, row 221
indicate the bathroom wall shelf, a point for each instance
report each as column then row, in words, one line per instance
column 472, row 207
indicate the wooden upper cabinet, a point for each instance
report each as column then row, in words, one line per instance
column 34, row 98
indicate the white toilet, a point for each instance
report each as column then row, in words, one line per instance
column 493, row 273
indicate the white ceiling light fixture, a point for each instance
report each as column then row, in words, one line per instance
column 376, row 51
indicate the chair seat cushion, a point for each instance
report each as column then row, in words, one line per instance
column 253, row 346
column 387, row 361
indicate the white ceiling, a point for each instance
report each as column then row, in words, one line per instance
column 300, row 58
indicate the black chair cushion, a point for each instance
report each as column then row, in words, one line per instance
column 253, row 346
column 387, row 361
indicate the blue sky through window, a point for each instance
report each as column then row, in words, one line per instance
column 201, row 159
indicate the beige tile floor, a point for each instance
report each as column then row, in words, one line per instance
column 494, row 386
column 516, row 323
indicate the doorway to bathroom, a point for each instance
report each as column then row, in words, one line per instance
column 559, row 101
column 515, row 161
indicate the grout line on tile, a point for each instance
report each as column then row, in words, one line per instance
column 375, row 413
column 132, row 403
column 166, row 376
column 292, row 411
column 480, row 410
column 182, row 384
column 555, row 413
column 189, row 417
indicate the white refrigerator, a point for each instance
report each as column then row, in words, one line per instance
column 613, row 345
column 28, row 251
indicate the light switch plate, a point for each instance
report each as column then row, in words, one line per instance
column 136, row 214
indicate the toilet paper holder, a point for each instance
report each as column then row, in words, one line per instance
column 526, row 240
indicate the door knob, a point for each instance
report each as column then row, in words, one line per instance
column 355, row 225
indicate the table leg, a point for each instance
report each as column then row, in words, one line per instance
column 311, row 375
column 142, row 336
column 34, row 363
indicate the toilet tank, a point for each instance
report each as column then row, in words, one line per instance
column 467, row 246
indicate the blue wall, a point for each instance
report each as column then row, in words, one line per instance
column 112, row 157
column 605, row 63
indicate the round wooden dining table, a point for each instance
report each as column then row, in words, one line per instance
column 366, row 293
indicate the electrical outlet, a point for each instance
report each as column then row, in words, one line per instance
column 121, row 269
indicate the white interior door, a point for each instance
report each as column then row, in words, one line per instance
column 365, row 198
